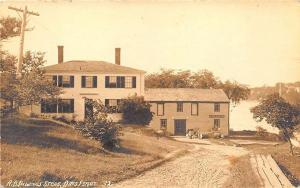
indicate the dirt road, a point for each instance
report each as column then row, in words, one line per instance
column 205, row 166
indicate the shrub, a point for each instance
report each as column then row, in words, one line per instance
column 136, row 110
column 97, row 126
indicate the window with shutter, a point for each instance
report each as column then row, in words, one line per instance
column 160, row 109
column 179, row 107
column 94, row 81
column 163, row 124
column 83, row 81
column 194, row 109
column 128, row 82
column 66, row 81
column 217, row 107
column 112, row 82
column 66, row 105
column 106, row 81
column 48, row 106
column 54, row 79
column 133, row 82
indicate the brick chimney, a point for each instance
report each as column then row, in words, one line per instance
column 60, row 51
column 118, row 56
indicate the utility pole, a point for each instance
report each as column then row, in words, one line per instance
column 22, row 34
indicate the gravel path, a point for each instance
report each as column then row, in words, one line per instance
column 205, row 166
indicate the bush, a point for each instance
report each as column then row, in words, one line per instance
column 97, row 126
column 135, row 110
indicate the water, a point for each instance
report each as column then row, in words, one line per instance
column 242, row 119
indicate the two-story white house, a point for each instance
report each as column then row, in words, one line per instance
column 175, row 110
column 83, row 80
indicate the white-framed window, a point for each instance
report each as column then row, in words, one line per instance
column 179, row 107
column 160, row 109
column 128, row 82
column 113, row 102
column 217, row 107
column 66, row 79
column 65, row 105
column 88, row 81
column 112, row 81
column 216, row 124
column 194, row 109
column 163, row 123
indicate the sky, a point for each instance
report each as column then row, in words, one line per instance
column 253, row 42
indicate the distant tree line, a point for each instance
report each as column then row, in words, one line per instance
column 203, row 79
column 289, row 91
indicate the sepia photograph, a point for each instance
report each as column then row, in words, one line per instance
column 150, row 93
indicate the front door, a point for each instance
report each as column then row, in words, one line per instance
column 88, row 108
column 180, row 127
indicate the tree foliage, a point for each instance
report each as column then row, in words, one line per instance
column 168, row 78
column 8, row 77
column 235, row 91
column 32, row 86
column 9, row 27
column 203, row 79
column 136, row 110
column 278, row 113
column 97, row 125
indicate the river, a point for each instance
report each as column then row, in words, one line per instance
column 242, row 119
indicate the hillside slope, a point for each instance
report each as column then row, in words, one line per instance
column 39, row 150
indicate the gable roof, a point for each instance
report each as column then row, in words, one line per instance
column 78, row 66
column 185, row 94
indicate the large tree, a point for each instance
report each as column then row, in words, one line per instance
column 204, row 79
column 32, row 86
column 9, row 27
column 235, row 91
column 8, row 81
column 168, row 78
column 278, row 113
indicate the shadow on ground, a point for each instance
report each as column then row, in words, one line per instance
column 34, row 133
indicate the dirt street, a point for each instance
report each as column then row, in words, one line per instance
column 205, row 166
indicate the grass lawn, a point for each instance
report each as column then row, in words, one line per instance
column 39, row 150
